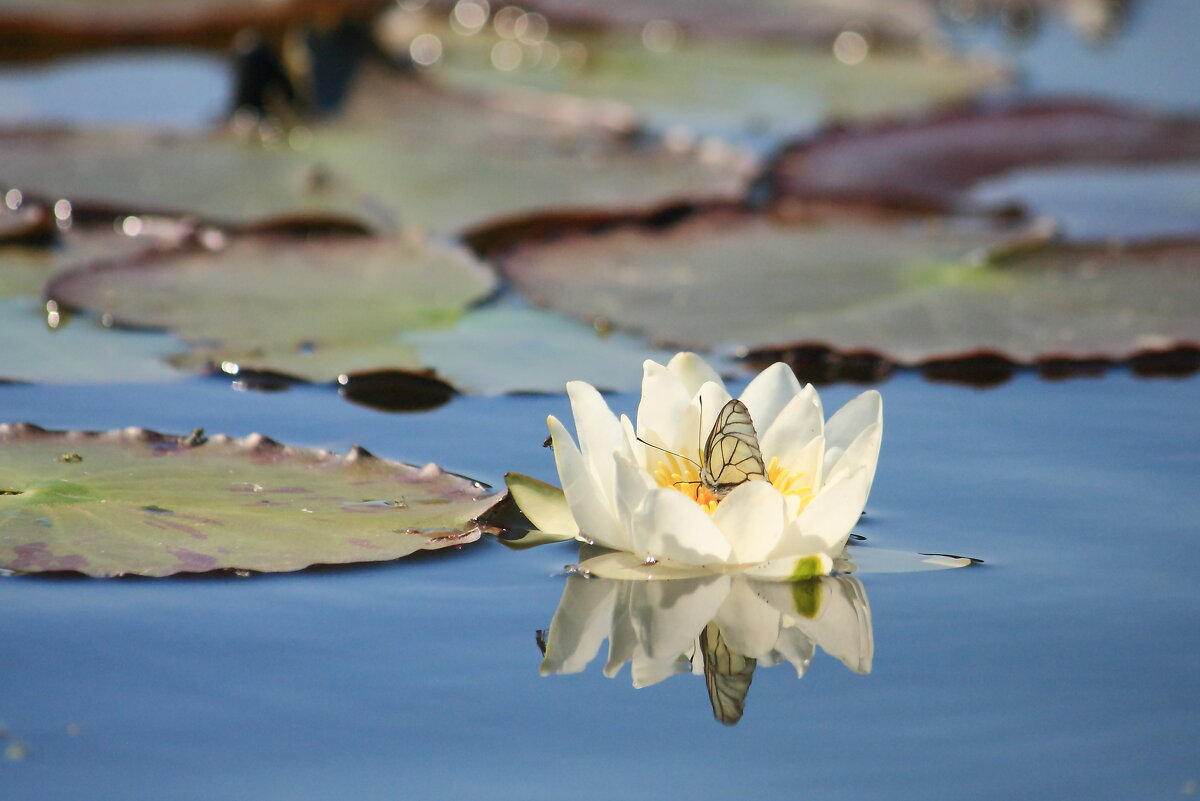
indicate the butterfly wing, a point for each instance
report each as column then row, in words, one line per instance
column 727, row 674
column 732, row 455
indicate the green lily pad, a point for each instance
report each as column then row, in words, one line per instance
column 335, row 301
column 79, row 351
column 401, row 149
column 739, row 89
column 910, row 292
column 505, row 349
column 26, row 268
column 217, row 176
column 892, row 22
column 141, row 503
column 448, row 160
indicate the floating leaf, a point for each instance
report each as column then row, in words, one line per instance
column 891, row 22
column 217, row 176
column 32, row 29
column 736, row 88
column 505, row 349
column 78, row 351
column 402, row 149
column 488, row 351
column 333, row 304
column 137, row 502
column 25, row 267
column 1104, row 202
column 909, row 292
column 447, row 160
column 929, row 163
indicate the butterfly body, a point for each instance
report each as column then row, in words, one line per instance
column 731, row 455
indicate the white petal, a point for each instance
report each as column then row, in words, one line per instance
column 769, row 392
column 842, row 627
column 848, row 423
column 599, row 434
column 748, row 624
column 826, row 523
column 662, row 410
column 863, row 454
column 752, row 518
column 632, row 484
column 710, row 399
column 580, row 625
column 622, row 642
column 795, row 438
column 668, row 616
column 796, row 647
column 647, row 671
column 597, row 520
column 693, row 372
column 671, row 525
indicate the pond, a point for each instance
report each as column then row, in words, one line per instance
column 1063, row 666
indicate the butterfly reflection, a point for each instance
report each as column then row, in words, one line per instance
column 722, row 627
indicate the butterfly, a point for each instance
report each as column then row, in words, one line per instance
column 728, row 675
column 731, row 455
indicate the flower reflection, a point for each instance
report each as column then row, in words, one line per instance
column 721, row 626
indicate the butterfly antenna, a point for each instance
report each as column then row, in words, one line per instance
column 664, row 450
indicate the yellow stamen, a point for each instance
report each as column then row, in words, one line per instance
column 672, row 471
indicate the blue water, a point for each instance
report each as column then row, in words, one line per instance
column 1063, row 668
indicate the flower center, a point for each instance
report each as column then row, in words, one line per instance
column 672, row 471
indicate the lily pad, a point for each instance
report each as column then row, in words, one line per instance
column 140, row 503
column 217, row 176
column 893, row 23
column 402, row 149
column 908, row 292
column 336, row 302
column 78, row 351
column 447, row 160
column 31, row 29
column 1121, row 203
column 26, row 268
column 730, row 278
column 740, row 89
column 505, row 349
column 930, row 163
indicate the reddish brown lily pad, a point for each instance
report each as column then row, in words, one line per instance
column 875, row 289
column 32, row 29
column 141, row 503
column 929, row 163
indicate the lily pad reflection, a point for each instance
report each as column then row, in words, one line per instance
column 721, row 627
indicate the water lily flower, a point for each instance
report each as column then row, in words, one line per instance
column 640, row 490
column 721, row 626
